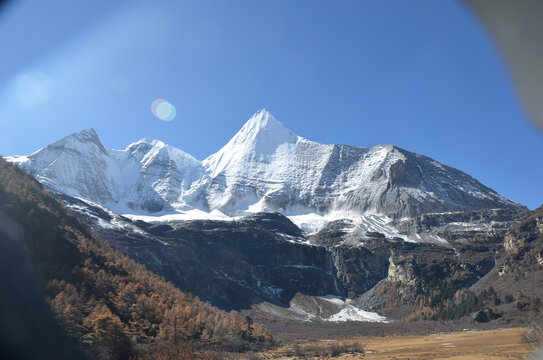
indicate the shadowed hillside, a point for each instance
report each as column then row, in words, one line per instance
column 111, row 305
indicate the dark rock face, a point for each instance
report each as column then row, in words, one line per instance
column 252, row 256
column 359, row 268
column 481, row 317
column 231, row 264
column 426, row 274
column 235, row 264
column 265, row 257
column 486, row 315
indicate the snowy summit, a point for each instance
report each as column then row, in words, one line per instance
column 264, row 167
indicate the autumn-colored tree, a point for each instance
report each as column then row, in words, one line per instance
column 105, row 300
column 105, row 332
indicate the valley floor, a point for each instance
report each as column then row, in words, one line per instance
column 463, row 345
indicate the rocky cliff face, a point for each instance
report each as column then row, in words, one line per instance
column 237, row 264
column 527, row 235
column 358, row 269
column 265, row 259
column 461, row 227
column 232, row 264
column 519, row 263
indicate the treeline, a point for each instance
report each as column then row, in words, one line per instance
column 114, row 307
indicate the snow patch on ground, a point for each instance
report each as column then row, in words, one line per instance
column 352, row 313
column 182, row 216
column 333, row 299
column 116, row 222
column 309, row 223
column 17, row 159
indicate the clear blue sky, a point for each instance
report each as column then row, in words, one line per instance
column 422, row 75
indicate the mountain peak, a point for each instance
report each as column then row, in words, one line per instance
column 77, row 139
column 263, row 129
column 147, row 142
column 147, row 149
column 260, row 136
column 86, row 135
column 88, row 132
column 262, row 118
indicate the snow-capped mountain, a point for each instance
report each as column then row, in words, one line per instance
column 264, row 167
column 147, row 176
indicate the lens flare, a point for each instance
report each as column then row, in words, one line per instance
column 163, row 110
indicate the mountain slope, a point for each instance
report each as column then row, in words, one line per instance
column 28, row 329
column 264, row 167
column 496, row 278
column 105, row 301
column 519, row 266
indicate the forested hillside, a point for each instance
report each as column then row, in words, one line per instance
column 113, row 306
